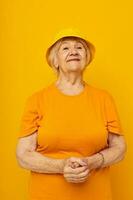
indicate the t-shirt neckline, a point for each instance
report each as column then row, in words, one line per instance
column 69, row 96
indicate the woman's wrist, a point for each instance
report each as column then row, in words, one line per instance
column 102, row 163
column 95, row 161
column 61, row 164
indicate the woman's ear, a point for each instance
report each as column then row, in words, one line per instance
column 55, row 65
column 88, row 57
column 56, row 62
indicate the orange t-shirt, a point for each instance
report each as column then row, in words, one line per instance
column 69, row 126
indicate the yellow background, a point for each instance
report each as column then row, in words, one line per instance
column 26, row 28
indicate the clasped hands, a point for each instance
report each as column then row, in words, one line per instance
column 76, row 170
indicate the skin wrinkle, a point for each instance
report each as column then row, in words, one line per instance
column 80, row 41
column 55, row 48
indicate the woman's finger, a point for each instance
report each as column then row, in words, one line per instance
column 69, row 170
column 78, row 176
column 74, row 164
column 80, row 161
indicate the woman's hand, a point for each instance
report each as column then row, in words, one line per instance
column 76, row 170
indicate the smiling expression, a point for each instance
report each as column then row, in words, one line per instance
column 71, row 55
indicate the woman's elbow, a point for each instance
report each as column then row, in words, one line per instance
column 122, row 146
column 19, row 158
column 21, row 155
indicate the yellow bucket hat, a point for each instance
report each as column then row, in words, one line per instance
column 66, row 33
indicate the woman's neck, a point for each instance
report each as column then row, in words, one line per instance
column 70, row 85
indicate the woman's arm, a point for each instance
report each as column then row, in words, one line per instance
column 28, row 158
column 113, row 154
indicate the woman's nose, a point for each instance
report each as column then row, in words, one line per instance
column 73, row 51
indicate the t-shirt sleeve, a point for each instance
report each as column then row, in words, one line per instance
column 113, row 122
column 30, row 117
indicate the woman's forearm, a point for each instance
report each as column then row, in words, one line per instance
column 36, row 162
column 111, row 155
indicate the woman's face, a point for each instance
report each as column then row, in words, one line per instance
column 71, row 56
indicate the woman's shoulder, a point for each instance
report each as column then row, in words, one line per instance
column 40, row 93
column 98, row 91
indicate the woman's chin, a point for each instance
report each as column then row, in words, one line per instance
column 72, row 66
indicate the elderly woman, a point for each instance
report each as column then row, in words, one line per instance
column 70, row 131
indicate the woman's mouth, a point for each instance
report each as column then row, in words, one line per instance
column 74, row 59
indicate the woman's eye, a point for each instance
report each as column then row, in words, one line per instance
column 79, row 47
column 65, row 48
